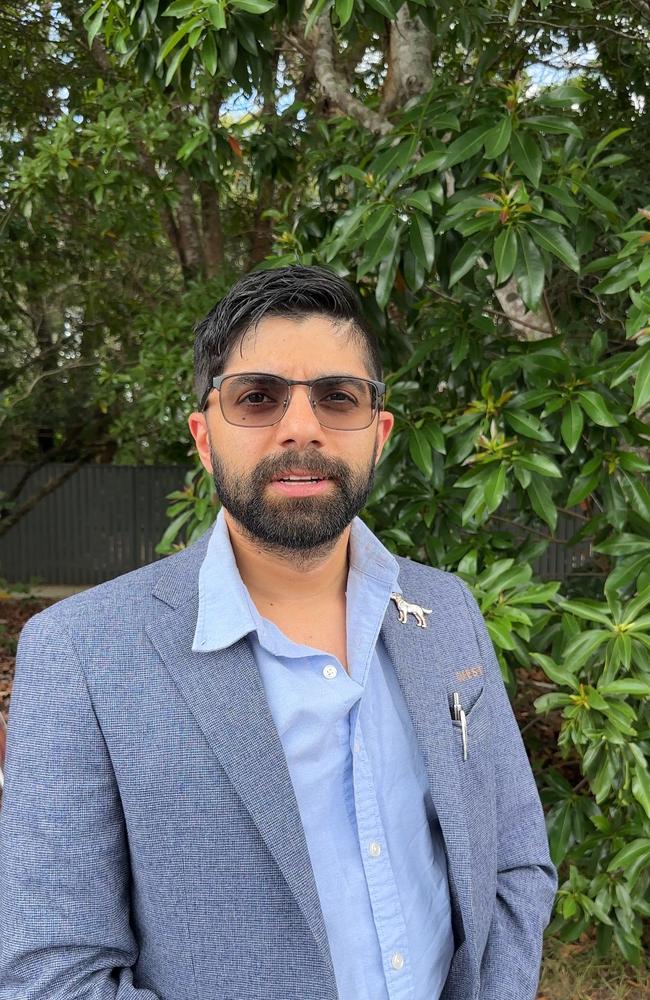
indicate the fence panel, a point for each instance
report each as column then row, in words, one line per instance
column 103, row 521
column 107, row 519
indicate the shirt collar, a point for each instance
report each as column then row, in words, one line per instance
column 226, row 611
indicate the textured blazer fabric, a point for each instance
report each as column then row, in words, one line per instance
column 150, row 841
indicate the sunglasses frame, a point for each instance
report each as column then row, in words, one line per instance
column 218, row 380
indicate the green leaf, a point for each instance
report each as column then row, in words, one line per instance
column 625, row 544
column 217, row 14
column 642, row 384
column 547, row 702
column 500, row 633
column 527, row 155
column 583, row 487
column 550, row 238
column 465, row 260
column 636, row 605
column 626, row 686
column 422, row 240
column 537, row 462
column 377, row 218
column 583, row 645
column 552, row 124
column 465, row 146
column 180, row 8
column 572, row 424
column 495, row 487
column 562, row 97
column 348, row 170
column 641, row 788
column 620, row 277
column 94, row 25
column 173, row 529
column 559, row 675
column 420, row 200
column 209, row 54
column 387, row 272
column 529, row 270
column 420, row 451
column 525, row 423
column 596, row 408
column 505, row 254
column 497, row 139
column 430, row 161
column 636, row 854
column 515, row 11
column 174, row 39
column 605, row 142
column 253, row 6
column 542, row 501
column 589, row 612
column 343, row 10
column 599, row 200
column 175, row 63
column 383, row 7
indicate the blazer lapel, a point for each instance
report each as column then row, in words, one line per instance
column 414, row 654
column 226, row 696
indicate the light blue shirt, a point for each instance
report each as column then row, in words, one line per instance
column 371, row 829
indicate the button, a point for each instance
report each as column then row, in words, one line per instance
column 374, row 849
column 357, row 746
column 330, row 672
column 397, row 960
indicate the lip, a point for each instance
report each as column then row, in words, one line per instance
column 303, row 489
column 306, row 473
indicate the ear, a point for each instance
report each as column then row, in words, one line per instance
column 198, row 425
column 384, row 427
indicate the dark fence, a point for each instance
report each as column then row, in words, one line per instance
column 107, row 519
column 102, row 521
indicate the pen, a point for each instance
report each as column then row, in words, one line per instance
column 459, row 716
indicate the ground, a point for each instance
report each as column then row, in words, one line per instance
column 569, row 971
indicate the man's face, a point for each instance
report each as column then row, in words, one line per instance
column 248, row 463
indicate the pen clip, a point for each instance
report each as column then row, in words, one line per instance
column 459, row 716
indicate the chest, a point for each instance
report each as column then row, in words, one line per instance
column 321, row 627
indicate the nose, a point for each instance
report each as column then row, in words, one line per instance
column 299, row 425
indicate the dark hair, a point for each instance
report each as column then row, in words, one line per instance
column 284, row 291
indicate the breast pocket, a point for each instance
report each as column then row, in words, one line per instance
column 476, row 731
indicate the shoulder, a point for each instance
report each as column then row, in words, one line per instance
column 437, row 582
column 127, row 597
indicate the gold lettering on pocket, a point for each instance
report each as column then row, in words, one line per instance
column 469, row 672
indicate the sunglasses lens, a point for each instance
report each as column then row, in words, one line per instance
column 253, row 400
column 344, row 403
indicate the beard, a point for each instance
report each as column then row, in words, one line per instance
column 294, row 525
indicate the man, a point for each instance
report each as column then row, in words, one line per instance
column 280, row 764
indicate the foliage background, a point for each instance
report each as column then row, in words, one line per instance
column 478, row 169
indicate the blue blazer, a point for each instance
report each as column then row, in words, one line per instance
column 150, row 841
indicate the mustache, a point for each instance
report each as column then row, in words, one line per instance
column 319, row 465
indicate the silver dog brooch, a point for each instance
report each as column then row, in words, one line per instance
column 405, row 608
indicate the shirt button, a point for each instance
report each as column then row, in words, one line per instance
column 357, row 746
column 374, row 849
column 397, row 960
column 330, row 672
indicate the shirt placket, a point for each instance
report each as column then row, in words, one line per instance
column 382, row 887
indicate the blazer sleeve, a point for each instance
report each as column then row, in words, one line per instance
column 526, row 876
column 64, row 864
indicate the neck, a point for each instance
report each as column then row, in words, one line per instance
column 289, row 576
